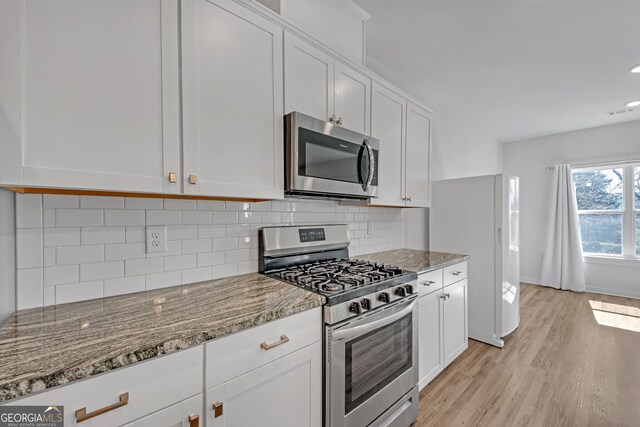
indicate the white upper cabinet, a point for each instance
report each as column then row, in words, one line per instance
column 100, row 94
column 417, row 156
column 232, row 101
column 318, row 85
column 387, row 125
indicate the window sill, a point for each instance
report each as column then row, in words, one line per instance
column 611, row 260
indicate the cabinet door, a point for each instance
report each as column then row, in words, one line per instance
column 455, row 320
column 101, row 94
column 387, row 125
column 185, row 414
column 284, row 393
column 308, row 79
column 430, row 337
column 232, row 101
column 352, row 93
column 417, row 157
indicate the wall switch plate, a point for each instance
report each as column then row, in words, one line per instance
column 156, row 239
column 370, row 228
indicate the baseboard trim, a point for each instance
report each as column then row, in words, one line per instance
column 613, row 292
column 530, row 280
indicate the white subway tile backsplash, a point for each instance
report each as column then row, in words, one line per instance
column 179, row 205
column 63, row 236
column 79, row 218
column 61, row 274
column 163, row 217
column 78, row 291
column 121, row 251
column 30, row 206
column 196, row 217
column 179, row 262
column 196, row 246
column 100, row 241
column 124, row 217
column 29, row 289
column 124, row 285
column 101, row 202
column 29, row 248
column 136, row 267
column 59, row 201
column 101, row 270
column 67, row 255
column 143, row 203
column 102, row 235
column 194, row 275
column 163, row 280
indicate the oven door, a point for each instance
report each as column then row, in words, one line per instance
column 328, row 159
column 372, row 363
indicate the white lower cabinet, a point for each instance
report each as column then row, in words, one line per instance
column 442, row 327
column 184, row 414
column 283, row 393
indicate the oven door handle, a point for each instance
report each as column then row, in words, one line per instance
column 355, row 331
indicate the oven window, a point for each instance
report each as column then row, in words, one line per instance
column 375, row 360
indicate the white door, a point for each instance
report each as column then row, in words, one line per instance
column 352, row 99
column 417, row 156
column 184, row 414
column 508, row 254
column 101, row 94
column 430, row 317
column 455, row 320
column 232, row 101
column 284, row 393
column 308, row 79
column 387, row 125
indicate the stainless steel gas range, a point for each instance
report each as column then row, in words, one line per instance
column 370, row 322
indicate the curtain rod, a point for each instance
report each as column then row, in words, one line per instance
column 626, row 161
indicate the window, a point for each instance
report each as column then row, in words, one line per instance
column 608, row 200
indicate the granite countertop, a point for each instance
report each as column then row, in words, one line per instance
column 46, row 347
column 415, row 260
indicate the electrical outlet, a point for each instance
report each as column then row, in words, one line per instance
column 370, row 228
column 156, row 239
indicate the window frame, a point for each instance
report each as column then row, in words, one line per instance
column 628, row 210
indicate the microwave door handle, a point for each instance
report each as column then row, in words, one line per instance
column 355, row 331
column 371, row 164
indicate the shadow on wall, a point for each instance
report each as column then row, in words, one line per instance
column 7, row 254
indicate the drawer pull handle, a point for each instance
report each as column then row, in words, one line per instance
column 428, row 282
column 217, row 409
column 194, row 420
column 456, row 273
column 81, row 414
column 283, row 339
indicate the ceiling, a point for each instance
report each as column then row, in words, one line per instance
column 505, row 70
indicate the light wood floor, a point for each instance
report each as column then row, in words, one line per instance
column 559, row 368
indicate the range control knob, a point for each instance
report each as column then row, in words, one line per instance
column 355, row 308
column 383, row 297
column 409, row 289
column 401, row 292
column 366, row 304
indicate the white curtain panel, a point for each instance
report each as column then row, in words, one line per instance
column 562, row 266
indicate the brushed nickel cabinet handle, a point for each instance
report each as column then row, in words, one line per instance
column 173, row 177
column 332, row 119
column 192, row 179
column 283, row 339
column 408, row 199
column 443, row 296
column 217, row 409
column 447, row 295
column 456, row 273
column 194, row 420
column 339, row 121
column 428, row 282
column 81, row 414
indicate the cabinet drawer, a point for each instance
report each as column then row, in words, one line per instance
column 152, row 385
column 455, row 273
column 430, row 282
column 229, row 357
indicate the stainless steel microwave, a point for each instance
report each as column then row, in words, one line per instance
column 325, row 159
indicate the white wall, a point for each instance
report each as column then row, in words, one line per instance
column 416, row 228
column 7, row 254
column 527, row 159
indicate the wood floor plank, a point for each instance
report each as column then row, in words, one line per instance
column 573, row 361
